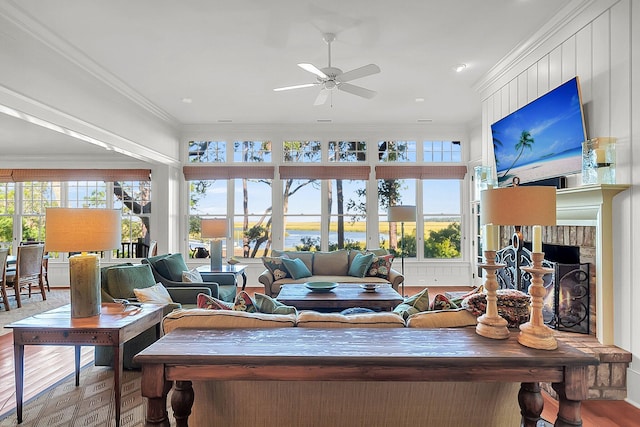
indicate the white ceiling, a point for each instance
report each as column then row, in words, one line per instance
column 227, row 56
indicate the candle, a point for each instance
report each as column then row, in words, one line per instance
column 601, row 157
column 490, row 238
column 537, row 239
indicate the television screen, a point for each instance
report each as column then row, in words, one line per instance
column 543, row 139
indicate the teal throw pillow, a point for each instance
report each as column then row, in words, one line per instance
column 360, row 265
column 266, row 304
column 171, row 267
column 414, row 304
column 296, row 268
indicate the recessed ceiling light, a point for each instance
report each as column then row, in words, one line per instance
column 419, row 99
column 324, row 120
column 225, row 121
column 459, row 68
column 425, row 120
column 187, row 100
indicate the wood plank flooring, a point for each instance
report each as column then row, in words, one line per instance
column 46, row 365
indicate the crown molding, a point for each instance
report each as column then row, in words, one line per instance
column 12, row 12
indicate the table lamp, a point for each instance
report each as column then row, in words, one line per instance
column 525, row 205
column 402, row 214
column 215, row 229
column 83, row 230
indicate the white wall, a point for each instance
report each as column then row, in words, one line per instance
column 600, row 44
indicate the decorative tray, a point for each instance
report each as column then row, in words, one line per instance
column 320, row 286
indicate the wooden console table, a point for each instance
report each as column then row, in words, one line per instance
column 114, row 326
column 300, row 354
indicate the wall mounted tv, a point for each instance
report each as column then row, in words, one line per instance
column 543, row 139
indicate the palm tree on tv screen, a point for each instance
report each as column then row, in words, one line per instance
column 525, row 141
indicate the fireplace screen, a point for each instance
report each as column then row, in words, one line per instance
column 572, row 297
column 566, row 303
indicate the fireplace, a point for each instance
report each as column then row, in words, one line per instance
column 566, row 305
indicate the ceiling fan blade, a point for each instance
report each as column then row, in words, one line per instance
column 322, row 97
column 357, row 90
column 313, row 69
column 278, row 89
column 363, row 71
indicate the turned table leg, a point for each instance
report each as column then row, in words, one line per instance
column 531, row 403
column 155, row 388
column 182, row 402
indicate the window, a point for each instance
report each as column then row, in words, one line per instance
column 252, row 151
column 36, row 198
column 302, row 151
column 207, row 151
column 134, row 199
column 397, row 151
column 347, row 151
column 322, row 202
column 7, row 211
column 442, row 151
column 442, row 217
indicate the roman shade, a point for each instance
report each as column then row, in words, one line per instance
column 252, row 171
column 325, row 172
column 48, row 175
column 421, row 172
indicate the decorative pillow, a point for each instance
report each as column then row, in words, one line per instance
column 244, row 302
column 296, row 268
column 170, row 266
column 442, row 319
column 276, row 267
column 360, row 265
column 513, row 305
column 266, row 304
column 441, row 302
column 192, row 276
column 380, row 266
column 156, row 294
column 414, row 304
column 211, row 303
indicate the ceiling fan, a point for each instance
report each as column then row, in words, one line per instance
column 331, row 78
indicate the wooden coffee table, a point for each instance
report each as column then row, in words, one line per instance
column 346, row 295
column 114, row 326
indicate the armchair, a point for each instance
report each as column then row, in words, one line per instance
column 119, row 281
column 167, row 269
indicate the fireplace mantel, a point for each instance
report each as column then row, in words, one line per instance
column 592, row 205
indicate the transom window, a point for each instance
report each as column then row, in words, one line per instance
column 397, row 151
column 301, row 151
column 347, row 151
column 442, row 151
column 207, row 151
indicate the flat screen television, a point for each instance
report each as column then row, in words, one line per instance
column 543, row 139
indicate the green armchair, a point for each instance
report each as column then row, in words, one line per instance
column 119, row 281
column 167, row 269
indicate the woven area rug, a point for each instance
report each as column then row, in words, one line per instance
column 30, row 306
column 89, row 405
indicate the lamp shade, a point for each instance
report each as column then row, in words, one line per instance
column 214, row 228
column 401, row 213
column 518, row 205
column 82, row 229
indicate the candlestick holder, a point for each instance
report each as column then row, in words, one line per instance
column 535, row 333
column 490, row 324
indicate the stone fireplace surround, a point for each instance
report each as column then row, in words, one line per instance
column 584, row 218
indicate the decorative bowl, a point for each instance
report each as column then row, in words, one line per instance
column 320, row 286
column 369, row 287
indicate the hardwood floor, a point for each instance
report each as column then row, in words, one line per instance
column 46, row 365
